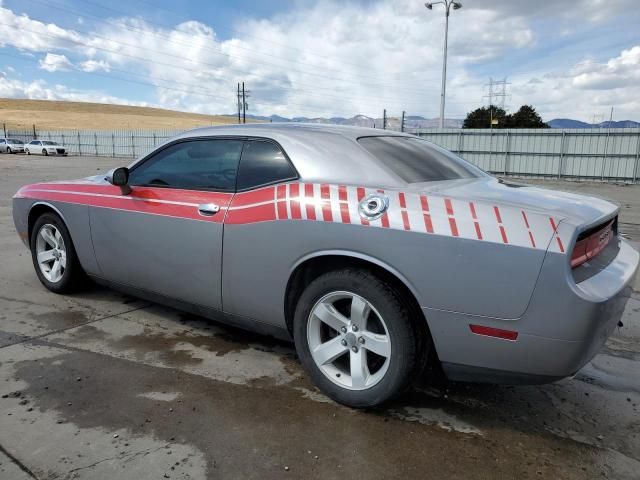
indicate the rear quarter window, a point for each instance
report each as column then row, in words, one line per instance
column 415, row 160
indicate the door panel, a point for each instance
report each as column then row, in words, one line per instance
column 165, row 236
column 155, row 242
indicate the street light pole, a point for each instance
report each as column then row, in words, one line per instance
column 447, row 5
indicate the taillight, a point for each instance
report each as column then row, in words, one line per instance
column 591, row 243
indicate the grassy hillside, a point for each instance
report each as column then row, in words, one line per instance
column 59, row 115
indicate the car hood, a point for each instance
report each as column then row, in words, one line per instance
column 576, row 208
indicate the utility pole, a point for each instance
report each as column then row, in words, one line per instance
column 447, row 6
column 384, row 119
column 238, row 102
column 244, row 105
column 402, row 122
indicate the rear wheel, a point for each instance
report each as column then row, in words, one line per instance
column 9, row 150
column 27, row 151
column 355, row 337
column 44, row 151
column 54, row 257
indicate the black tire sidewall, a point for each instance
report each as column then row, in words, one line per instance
column 72, row 271
column 396, row 318
column 44, row 152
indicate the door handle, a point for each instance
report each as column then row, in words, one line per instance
column 208, row 209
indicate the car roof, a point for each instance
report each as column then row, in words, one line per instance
column 321, row 153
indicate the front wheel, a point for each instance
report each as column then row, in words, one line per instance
column 54, row 257
column 27, row 151
column 44, row 152
column 355, row 337
column 9, row 150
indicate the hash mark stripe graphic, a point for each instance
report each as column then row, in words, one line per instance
column 428, row 224
column 503, row 233
column 452, row 221
column 361, row 194
column 403, row 211
column 526, row 222
column 282, row 207
column 555, row 233
column 325, row 195
column 294, row 201
column 344, row 205
column 310, row 201
column 476, row 223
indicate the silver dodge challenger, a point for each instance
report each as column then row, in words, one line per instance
column 376, row 251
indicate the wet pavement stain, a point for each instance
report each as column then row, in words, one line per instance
column 254, row 433
column 59, row 319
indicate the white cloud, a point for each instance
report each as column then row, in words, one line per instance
column 41, row 90
column 95, row 66
column 339, row 58
column 53, row 62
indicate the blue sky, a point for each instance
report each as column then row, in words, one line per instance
column 331, row 58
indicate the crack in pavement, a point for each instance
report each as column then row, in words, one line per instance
column 59, row 330
column 18, row 463
column 125, row 457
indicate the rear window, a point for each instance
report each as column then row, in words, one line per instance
column 415, row 160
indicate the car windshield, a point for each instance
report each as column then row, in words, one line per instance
column 48, row 143
column 416, row 160
column 14, row 141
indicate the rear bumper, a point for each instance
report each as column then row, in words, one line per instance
column 564, row 327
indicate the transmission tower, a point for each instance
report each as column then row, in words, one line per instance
column 498, row 93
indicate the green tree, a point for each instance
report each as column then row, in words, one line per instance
column 481, row 118
column 525, row 117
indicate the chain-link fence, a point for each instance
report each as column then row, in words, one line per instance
column 592, row 154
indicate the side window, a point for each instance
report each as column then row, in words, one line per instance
column 263, row 163
column 194, row 164
column 1, row 142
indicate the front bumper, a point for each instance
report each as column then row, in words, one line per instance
column 563, row 328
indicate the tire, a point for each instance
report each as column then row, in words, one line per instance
column 27, row 151
column 385, row 376
column 44, row 152
column 71, row 271
column 9, row 150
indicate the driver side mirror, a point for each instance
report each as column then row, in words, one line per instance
column 119, row 177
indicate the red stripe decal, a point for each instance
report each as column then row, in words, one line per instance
column 452, row 221
column 344, row 206
column 497, row 212
column 425, row 212
column 310, row 201
column 282, row 207
column 385, row 220
column 472, row 207
column 294, row 201
column 504, row 234
column 447, row 204
column 526, row 221
column 533, row 242
column 405, row 220
column 478, row 232
column 360, row 193
column 555, row 228
column 325, row 194
column 403, row 201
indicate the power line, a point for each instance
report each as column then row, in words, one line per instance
column 218, row 52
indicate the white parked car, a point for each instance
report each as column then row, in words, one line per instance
column 11, row 145
column 45, row 147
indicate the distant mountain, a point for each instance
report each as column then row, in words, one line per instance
column 569, row 123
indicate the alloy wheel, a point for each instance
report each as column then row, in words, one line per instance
column 51, row 253
column 348, row 340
